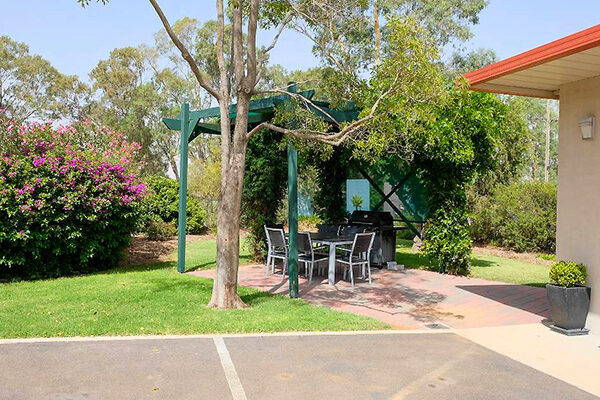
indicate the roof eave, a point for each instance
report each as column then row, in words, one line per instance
column 572, row 44
column 517, row 91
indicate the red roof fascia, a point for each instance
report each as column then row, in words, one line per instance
column 560, row 48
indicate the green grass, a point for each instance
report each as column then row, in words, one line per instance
column 155, row 300
column 201, row 254
column 487, row 267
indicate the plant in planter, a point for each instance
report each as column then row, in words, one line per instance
column 357, row 202
column 568, row 297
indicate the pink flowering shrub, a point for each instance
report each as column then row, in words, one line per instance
column 68, row 199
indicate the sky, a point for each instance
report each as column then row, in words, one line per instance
column 75, row 39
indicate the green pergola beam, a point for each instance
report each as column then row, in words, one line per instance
column 183, row 164
column 391, row 204
column 292, row 160
column 255, row 105
column 394, row 189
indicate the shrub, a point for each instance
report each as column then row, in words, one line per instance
column 68, row 201
column 519, row 216
column 205, row 181
column 265, row 180
column 568, row 274
column 158, row 229
column 447, row 243
column 459, row 144
column 162, row 202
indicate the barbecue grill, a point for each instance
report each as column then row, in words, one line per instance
column 382, row 223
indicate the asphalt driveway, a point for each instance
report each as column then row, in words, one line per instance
column 370, row 366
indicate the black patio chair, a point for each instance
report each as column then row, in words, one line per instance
column 277, row 248
column 359, row 255
column 308, row 255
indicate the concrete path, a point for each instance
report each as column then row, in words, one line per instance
column 389, row 365
column 413, row 299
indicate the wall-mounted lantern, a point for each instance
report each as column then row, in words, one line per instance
column 587, row 126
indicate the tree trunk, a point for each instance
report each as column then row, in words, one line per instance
column 229, row 212
column 173, row 164
column 224, row 293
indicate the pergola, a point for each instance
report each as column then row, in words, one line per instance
column 191, row 124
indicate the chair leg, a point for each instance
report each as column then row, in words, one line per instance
column 345, row 272
column 352, row 275
column 311, row 271
column 268, row 265
column 285, row 261
column 369, row 271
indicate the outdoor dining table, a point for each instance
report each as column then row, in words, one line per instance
column 331, row 240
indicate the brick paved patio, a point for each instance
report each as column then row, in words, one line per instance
column 411, row 299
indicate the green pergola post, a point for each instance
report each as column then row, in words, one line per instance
column 292, row 159
column 183, row 168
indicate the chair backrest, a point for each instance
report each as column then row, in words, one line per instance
column 304, row 243
column 274, row 226
column 276, row 237
column 363, row 242
column 327, row 229
column 351, row 230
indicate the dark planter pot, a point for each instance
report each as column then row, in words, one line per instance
column 569, row 307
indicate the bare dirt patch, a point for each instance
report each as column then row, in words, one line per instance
column 144, row 251
column 499, row 252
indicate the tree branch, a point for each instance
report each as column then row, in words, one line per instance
column 237, row 57
column 334, row 139
column 224, row 88
column 303, row 99
column 251, row 61
column 184, row 51
column 267, row 49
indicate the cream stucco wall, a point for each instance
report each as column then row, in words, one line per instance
column 578, row 225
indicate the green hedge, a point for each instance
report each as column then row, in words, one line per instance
column 519, row 216
column 162, row 204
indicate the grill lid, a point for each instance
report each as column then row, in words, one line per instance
column 371, row 218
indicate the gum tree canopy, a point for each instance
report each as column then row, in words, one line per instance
column 406, row 82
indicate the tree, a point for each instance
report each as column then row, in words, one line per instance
column 240, row 68
column 129, row 102
column 30, row 87
column 446, row 20
column 462, row 63
column 205, row 181
column 134, row 93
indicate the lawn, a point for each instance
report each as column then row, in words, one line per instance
column 484, row 266
column 155, row 300
column 200, row 254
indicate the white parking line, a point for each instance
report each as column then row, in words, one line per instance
column 235, row 385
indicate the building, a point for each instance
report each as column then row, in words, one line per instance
column 567, row 69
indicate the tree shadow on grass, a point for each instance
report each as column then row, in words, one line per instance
column 256, row 297
column 199, row 267
column 136, row 268
column 477, row 262
column 245, row 259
